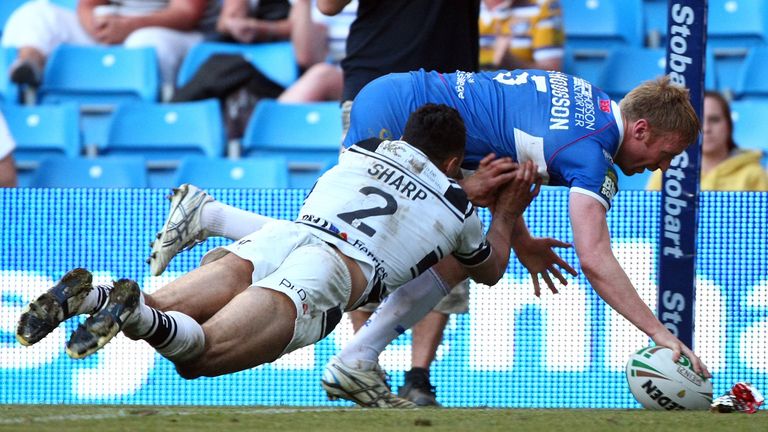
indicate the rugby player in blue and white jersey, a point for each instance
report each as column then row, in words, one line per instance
column 575, row 134
column 385, row 214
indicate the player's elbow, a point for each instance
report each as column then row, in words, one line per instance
column 488, row 274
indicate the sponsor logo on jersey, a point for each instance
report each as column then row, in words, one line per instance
column 584, row 115
column 609, row 187
column 462, row 78
column 605, row 105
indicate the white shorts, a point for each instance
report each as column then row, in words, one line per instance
column 287, row 257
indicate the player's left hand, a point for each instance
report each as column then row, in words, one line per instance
column 538, row 257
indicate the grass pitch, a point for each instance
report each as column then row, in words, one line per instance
column 101, row 418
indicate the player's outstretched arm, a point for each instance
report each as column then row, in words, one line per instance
column 608, row 279
column 536, row 254
column 513, row 198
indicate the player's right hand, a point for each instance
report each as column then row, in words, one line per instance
column 665, row 338
column 515, row 196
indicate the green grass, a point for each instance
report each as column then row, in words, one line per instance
column 101, row 418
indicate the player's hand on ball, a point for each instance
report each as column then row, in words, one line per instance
column 665, row 338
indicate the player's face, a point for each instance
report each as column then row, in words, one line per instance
column 716, row 132
column 649, row 153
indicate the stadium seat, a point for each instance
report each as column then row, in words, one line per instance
column 100, row 75
column 41, row 131
column 753, row 81
column 309, row 135
column 210, row 173
column 9, row 92
column 602, row 24
column 736, row 24
column 633, row 182
column 71, row 4
column 627, row 67
column 101, row 172
column 275, row 59
column 655, row 23
column 748, row 120
column 165, row 133
column 585, row 64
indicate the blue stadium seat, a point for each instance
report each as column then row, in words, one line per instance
column 9, row 92
column 71, row 4
column 736, row 24
column 627, row 67
column 275, row 59
column 41, row 131
column 585, row 64
column 633, row 182
column 748, row 121
column 165, row 133
column 602, row 24
column 309, row 135
column 100, row 75
column 655, row 23
column 210, row 173
column 101, row 172
column 753, row 80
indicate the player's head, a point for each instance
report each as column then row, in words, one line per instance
column 717, row 130
column 439, row 132
column 659, row 123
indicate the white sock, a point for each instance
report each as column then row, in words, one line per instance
column 175, row 336
column 95, row 300
column 222, row 220
column 398, row 312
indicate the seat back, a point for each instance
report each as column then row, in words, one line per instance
column 308, row 134
column 101, row 172
column 275, row 59
column 736, row 24
column 167, row 131
column 43, row 130
column 212, row 173
column 9, row 91
column 753, row 81
column 625, row 68
column 748, row 120
column 100, row 75
column 602, row 23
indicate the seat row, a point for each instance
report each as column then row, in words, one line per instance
column 739, row 75
column 264, row 172
column 307, row 135
column 635, row 23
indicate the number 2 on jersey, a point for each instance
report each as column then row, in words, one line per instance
column 354, row 218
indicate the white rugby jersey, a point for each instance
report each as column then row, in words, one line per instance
column 386, row 204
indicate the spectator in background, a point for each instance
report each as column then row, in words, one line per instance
column 246, row 21
column 170, row 26
column 521, row 34
column 401, row 36
column 7, row 167
column 724, row 166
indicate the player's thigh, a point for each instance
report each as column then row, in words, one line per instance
column 252, row 329
column 205, row 290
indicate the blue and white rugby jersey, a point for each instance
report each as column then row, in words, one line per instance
column 571, row 129
column 387, row 205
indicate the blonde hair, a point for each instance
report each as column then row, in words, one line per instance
column 665, row 106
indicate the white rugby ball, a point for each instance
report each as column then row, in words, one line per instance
column 658, row 383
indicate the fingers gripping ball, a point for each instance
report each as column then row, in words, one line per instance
column 658, row 383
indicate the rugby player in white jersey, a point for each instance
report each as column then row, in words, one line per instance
column 385, row 214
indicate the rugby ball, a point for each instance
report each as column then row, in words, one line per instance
column 658, row 383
